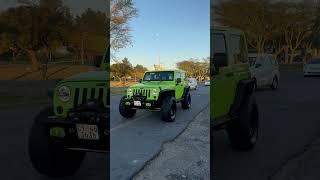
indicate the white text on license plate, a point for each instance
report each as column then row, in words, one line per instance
column 137, row 103
column 87, row 131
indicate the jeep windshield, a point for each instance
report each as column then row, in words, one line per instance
column 158, row 76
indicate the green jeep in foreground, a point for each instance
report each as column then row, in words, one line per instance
column 157, row 91
column 233, row 105
column 76, row 123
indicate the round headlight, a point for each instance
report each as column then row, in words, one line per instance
column 129, row 91
column 64, row 93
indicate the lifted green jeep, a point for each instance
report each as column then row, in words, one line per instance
column 157, row 91
column 233, row 104
column 76, row 123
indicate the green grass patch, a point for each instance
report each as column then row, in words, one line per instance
column 118, row 90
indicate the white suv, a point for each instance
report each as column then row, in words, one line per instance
column 264, row 69
column 193, row 84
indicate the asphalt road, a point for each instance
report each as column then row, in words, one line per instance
column 289, row 120
column 14, row 160
column 136, row 141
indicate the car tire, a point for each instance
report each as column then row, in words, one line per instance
column 243, row 131
column 124, row 110
column 186, row 102
column 275, row 83
column 47, row 157
column 168, row 109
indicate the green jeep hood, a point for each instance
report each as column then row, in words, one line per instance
column 156, row 85
column 88, row 76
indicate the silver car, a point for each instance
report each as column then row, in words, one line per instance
column 312, row 67
column 264, row 69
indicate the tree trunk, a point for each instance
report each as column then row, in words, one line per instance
column 34, row 59
column 286, row 54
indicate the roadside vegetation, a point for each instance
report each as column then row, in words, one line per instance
column 288, row 29
column 44, row 34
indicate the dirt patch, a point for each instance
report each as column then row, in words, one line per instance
column 120, row 84
column 55, row 71
column 185, row 158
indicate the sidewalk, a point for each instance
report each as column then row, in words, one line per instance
column 185, row 158
column 305, row 166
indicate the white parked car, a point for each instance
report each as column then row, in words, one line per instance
column 264, row 69
column 193, row 84
column 207, row 82
column 312, row 67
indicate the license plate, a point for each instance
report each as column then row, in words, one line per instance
column 87, row 131
column 137, row 103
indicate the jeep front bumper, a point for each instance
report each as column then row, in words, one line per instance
column 70, row 133
column 141, row 102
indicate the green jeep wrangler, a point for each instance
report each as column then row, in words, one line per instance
column 233, row 106
column 76, row 123
column 157, row 91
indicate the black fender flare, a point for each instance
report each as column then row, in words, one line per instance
column 244, row 88
column 166, row 92
column 185, row 90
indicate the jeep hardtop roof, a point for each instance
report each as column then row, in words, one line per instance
column 164, row 70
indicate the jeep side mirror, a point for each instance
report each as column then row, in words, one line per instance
column 98, row 61
column 178, row 80
column 220, row 60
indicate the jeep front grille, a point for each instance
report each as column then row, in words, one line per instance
column 82, row 95
column 143, row 92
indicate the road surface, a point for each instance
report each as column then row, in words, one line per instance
column 136, row 141
column 289, row 120
column 14, row 160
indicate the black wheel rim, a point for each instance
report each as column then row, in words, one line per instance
column 172, row 112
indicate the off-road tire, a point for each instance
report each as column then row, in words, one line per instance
column 275, row 83
column 243, row 131
column 48, row 158
column 168, row 109
column 124, row 110
column 186, row 102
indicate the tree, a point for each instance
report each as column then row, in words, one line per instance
column 122, row 11
column 121, row 70
column 88, row 34
column 198, row 69
column 251, row 16
column 34, row 26
column 138, row 71
column 296, row 26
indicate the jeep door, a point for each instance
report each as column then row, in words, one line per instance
column 222, row 88
column 179, row 88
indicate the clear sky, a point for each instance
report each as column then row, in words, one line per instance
column 173, row 30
